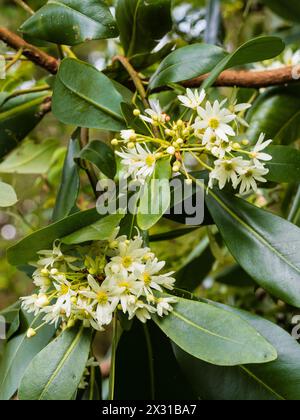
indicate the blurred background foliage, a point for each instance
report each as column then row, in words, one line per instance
column 241, row 20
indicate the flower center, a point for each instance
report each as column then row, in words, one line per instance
column 150, row 160
column 214, row 123
column 147, row 279
column 102, row 298
column 127, row 261
column 64, row 290
column 249, row 174
column 228, row 167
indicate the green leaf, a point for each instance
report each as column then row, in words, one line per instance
column 101, row 155
column 99, row 231
column 172, row 234
column 214, row 335
column 8, row 196
column 142, row 24
column 265, row 245
column 70, row 183
column 133, row 122
column 18, row 354
column 186, row 63
column 257, row 49
column 55, row 373
column 235, row 276
column 271, row 381
column 156, row 197
column 150, row 353
column 85, row 97
column 294, row 213
column 71, row 22
column 285, row 165
column 12, row 318
column 30, row 158
column 276, row 113
column 18, row 116
column 289, row 10
column 26, row 250
column 196, row 267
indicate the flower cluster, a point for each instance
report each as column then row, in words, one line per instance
column 91, row 284
column 288, row 58
column 211, row 132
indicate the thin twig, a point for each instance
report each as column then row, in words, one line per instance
column 24, row 6
column 84, row 141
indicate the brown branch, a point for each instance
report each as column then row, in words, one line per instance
column 34, row 54
column 251, row 79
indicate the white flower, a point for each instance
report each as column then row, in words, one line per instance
column 41, row 280
column 227, row 170
column 104, row 301
column 192, row 99
column 214, row 120
column 29, row 304
column 138, row 162
column 290, row 58
column 128, row 258
column 64, row 300
column 249, row 177
column 128, row 135
column 156, row 114
column 148, row 275
column 238, row 109
column 257, row 154
column 141, row 310
column 164, row 306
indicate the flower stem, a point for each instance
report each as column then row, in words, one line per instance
column 112, row 377
column 24, row 6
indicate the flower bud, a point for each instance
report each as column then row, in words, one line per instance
column 171, row 150
column 114, row 142
column 131, row 145
column 44, row 272
column 245, row 142
column 42, row 301
column 179, row 141
column 54, row 272
column 31, row 333
column 71, row 323
column 136, row 112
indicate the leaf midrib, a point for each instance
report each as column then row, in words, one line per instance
column 15, row 110
column 28, row 160
column 77, row 11
column 61, row 363
column 253, row 231
column 194, row 325
column 92, row 102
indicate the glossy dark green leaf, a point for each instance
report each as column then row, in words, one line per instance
column 195, row 268
column 285, row 165
column 276, row 114
column 235, row 276
column 99, row 231
column 26, row 250
column 150, row 353
column 277, row 380
column 18, row 354
column 71, row 22
column 265, row 245
column 214, row 335
column 101, row 155
column 290, row 9
column 155, row 199
column 142, row 23
column 186, row 63
column 18, row 116
column 70, row 182
column 257, row 49
column 172, row 234
column 55, row 373
column 85, row 97
column 294, row 214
